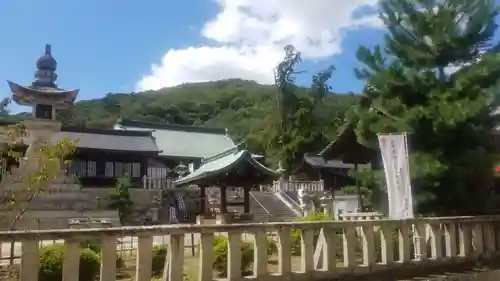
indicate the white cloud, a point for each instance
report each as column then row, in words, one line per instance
column 249, row 35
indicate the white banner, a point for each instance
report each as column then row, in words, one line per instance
column 394, row 150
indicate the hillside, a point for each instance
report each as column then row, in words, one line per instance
column 239, row 105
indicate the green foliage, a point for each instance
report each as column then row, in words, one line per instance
column 220, row 251
column 296, row 233
column 120, row 199
column 158, row 262
column 94, row 244
column 44, row 161
column 448, row 115
column 51, row 262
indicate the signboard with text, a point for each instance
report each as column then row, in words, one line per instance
column 394, row 150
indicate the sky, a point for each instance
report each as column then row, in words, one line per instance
column 132, row 46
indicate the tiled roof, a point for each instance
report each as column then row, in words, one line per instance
column 223, row 163
column 110, row 140
column 183, row 141
column 318, row 161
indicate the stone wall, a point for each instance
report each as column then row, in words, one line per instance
column 62, row 202
column 38, row 219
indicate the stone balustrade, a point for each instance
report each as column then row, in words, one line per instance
column 361, row 216
column 329, row 249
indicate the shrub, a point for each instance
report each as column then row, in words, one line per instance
column 51, row 263
column 296, row 233
column 158, row 262
column 221, row 256
column 94, row 244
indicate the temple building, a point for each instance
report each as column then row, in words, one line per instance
column 332, row 163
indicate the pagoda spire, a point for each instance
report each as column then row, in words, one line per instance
column 43, row 94
column 45, row 75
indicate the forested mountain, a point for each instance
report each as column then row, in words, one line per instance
column 240, row 106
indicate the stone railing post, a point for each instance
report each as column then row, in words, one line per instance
column 144, row 257
column 404, row 242
column 30, row 260
column 71, row 261
column 464, row 239
column 436, row 241
column 205, row 272
column 420, row 241
column 387, row 243
column 234, row 255
column 260, row 253
column 307, row 250
column 477, row 239
column 450, row 238
column 368, row 241
column 284, row 250
column 175, row 258
column 349, row 239
column 108, row 258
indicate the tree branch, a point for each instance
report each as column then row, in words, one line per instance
column 30, row 201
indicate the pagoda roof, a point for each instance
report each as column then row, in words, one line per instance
column 22, row 93
column 230, row 162
column 182, row 141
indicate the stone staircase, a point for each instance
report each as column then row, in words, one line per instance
column 265, row 206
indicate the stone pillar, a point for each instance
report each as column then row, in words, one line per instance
column 203, row 199
column 223, row 200
column 246, row 199
column 39, row 131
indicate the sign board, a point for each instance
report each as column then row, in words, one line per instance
column 394, row 150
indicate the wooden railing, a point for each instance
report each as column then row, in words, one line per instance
column 344, row 248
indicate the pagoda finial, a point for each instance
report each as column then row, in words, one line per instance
column 48, row 50
column 46, row 65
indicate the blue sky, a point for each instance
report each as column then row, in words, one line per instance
column 111, row 46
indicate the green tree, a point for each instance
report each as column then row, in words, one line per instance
column 448, row 114
column 120, row 199
column 295, row 126
column 38, row 168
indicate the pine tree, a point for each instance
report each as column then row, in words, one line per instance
column 449, row 115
